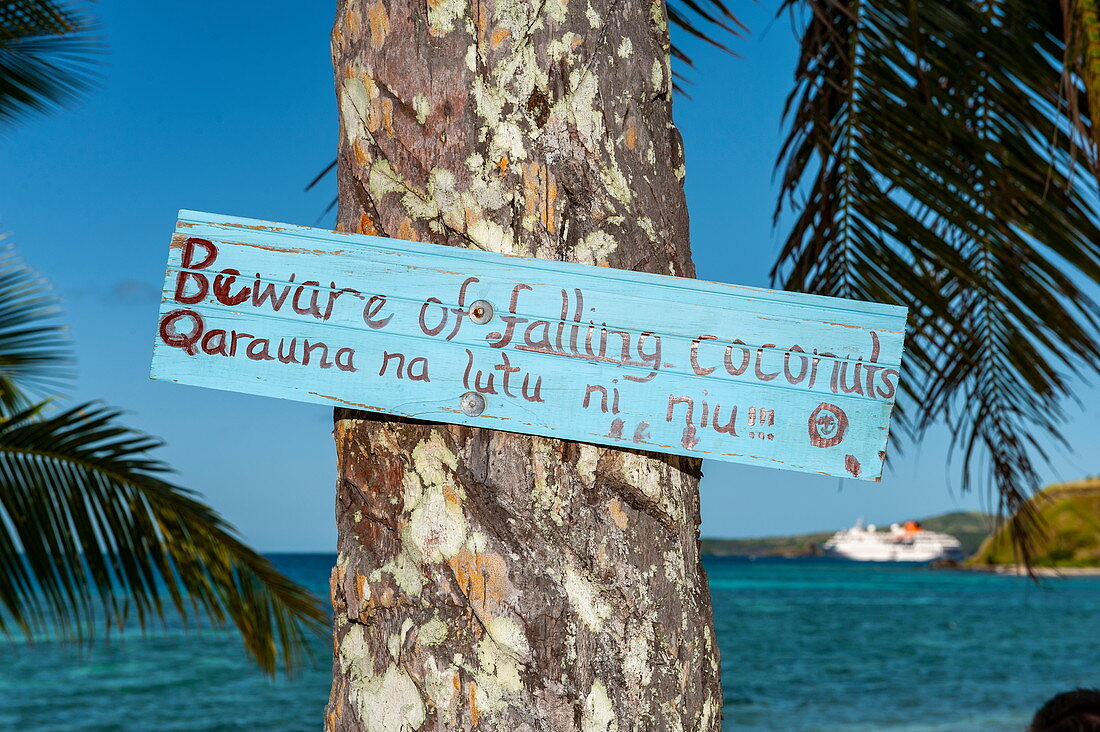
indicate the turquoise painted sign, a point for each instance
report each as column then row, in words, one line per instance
column 564, row 350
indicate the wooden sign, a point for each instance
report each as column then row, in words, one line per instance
column 565, row 350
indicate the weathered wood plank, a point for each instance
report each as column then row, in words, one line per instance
column 566, row 350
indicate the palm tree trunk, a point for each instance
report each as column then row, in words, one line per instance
column 491, row 580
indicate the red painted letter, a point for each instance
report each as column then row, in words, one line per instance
column 187, row 261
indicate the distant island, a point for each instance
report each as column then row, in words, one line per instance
column 971, row 528
column 1071, row 514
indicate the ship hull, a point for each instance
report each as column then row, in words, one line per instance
column 883, row 553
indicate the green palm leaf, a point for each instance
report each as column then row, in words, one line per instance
column 89, row 530
column 34, row 353
column 930, row 162
column 47, row 55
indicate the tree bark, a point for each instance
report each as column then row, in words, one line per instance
column 489, row 580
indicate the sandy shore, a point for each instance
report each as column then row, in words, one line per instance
column 1021, row 571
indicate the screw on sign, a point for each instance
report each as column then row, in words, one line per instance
column 481, row 312
column 473, row 404
column 564, row 350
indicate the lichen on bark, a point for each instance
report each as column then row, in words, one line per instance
column 489, row 580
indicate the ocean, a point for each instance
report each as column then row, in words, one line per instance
column 806, row 645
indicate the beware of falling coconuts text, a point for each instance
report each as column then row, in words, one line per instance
column 643, row 361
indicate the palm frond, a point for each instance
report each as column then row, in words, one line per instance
column 703, row 21
column 930, row 161
column 90, row 531
column 34, row 352
column 47, row 55
column 1081, row 70
column 706, row 20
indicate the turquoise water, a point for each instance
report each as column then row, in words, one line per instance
column 806, row 645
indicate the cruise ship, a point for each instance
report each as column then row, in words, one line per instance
column 906, row 542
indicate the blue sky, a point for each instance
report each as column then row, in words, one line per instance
column 229, row 108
